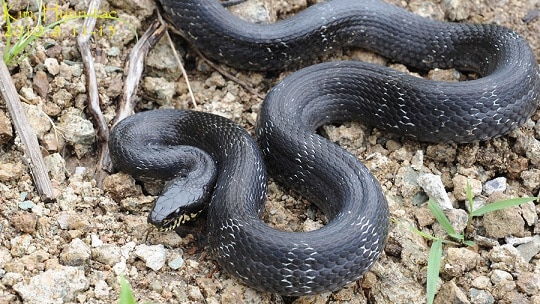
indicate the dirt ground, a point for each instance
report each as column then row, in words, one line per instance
column 73, row 250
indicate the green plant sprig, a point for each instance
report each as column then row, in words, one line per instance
column 435, row 252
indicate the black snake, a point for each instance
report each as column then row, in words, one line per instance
column 343, row 250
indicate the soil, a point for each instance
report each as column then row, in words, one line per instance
column 75, row 249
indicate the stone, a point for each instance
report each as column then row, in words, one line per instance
column 450, row 293
column 60, row 285
column 56, row 165
column 530, row 249
column 155, row 256
column 434, row 188
column 459, row 261
column 21, row 245
column 69, row 220
column 41, row 84
column 529, row 283
column 481, row 282
column 507, row 258
column 25, row 222
column 481, row 296
column 107, row 254
column 6, row 130
column 120, row 186
column 502, row 280
column 176, row 261
column 77, row 130
column 531, row 179
column 11, row 171
column 460, row 187
column 504, row 222
column 160, row 89
column 52, row 66
column 77, row 253
column 494, row 185
column 39, row 121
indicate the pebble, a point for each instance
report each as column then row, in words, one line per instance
column 52, row 66
column 528, row 212
column 529, row 283
column 481, row 296
column 12, row 278
column 101, row 289
column 530, row 249
column 10, row 171
column 56, row 166
column 160, row 89
column 77, row 253
column 107, row 254
column 532, row 151
column 499, row 277
column 21, row 245
column 460, row 187
column 450, row 293
column 531, row 179
column 121, row 186
column 60, row 285
column 434, row 188
column 39, row 121
column 95, row 240
column 25, row 222
column 69, row 220
column 155, row 256
column 6, row 131
column 494, row 185
column 176, row 262
column 481, row 282
column 507, row 258
column 504, row 222
column 459, row 261
column 40, row 83
column 417, row 161
column 26, row 205
column 458, row 218
column 77, row 130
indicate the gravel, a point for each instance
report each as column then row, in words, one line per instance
column 74, row 250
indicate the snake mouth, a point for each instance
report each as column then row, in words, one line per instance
column 174, row 221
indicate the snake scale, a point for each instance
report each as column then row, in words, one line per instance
column 216, row 160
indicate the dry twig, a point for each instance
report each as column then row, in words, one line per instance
column 33, row 157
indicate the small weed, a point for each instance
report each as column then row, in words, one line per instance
column 126, row 295
column 13, row 51
column 435, row 252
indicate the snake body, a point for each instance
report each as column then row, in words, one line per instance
column 342, row 187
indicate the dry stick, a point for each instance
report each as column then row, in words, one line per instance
column 220, row 70
column 184, row 73
column 91, row 83
column 33, row 157
column 135, row 67
column 230, row 76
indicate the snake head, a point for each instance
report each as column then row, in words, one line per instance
column 183, row 199
column 177, row 205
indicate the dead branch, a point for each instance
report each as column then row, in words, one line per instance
column 32, row 152
column 135, row 67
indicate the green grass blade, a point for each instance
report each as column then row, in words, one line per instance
column 434, row 264
column 502, row 205
column 126, row 295
column 422, row 233
column 441, row 218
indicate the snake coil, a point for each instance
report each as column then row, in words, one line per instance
column 342, row 187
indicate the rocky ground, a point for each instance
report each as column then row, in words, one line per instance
column 73, row 250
